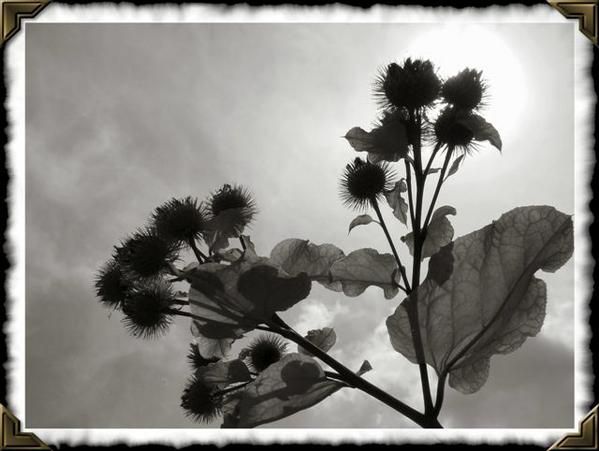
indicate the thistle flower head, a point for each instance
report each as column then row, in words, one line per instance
column 180, row 220
column 147, row 310
column 451, row 129
column 236, row 204
column 265, row 350
column 411, row 85
column 465, row 90
column 146, row 254
column 363, row 182
column 197, row 360
column 111, row 285
column 200, row 402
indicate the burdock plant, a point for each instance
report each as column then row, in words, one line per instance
column 476, row 296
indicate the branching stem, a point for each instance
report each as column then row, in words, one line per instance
column 402, row 270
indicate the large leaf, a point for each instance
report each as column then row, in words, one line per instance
column 438, row 234
column 324, row 339
column 211, row 348
column 294, row 383
column 362, row 268
column 326, row 264
column 387, row 142
column 225, row 373
column 397, row 202
column 295, row 256
column 491, row 302
column 229, row 300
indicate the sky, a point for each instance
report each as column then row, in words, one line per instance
column 120, row 118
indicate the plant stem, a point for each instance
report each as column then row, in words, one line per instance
column 199, row 255
column 410, row 197
column 440, row 394
column 438, row 187
column 402, row 271
column 358, row 382
column 412, row 302
column 430, row 161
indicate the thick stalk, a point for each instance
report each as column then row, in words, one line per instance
column 358, row 382
column 440, row 394
column 410, row 196
column 412, row 303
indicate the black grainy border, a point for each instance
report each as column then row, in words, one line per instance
column 593, row 229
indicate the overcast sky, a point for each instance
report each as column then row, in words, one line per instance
column 121, row 118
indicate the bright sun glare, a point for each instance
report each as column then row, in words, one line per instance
column 452, row 47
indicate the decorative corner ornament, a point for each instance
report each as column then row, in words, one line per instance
column 587, row 13
column 12, row 14
column 11, row 437
column 587, row 436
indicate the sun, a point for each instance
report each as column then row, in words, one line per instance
column 452, row 47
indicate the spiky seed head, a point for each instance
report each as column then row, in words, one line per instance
column 148, row 310
column 451, row 129
column 180, row 220
column 412, row 85
column 236, row 202
column 364, row 182
column 196, row 359
column 465, row 90
column 264, row 351
column 146, row 254
column 200, row 401
column 111, row 285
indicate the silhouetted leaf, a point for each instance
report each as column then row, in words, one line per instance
column 491, row 302
column 324, row 339
column 455, row 166
column 387, row 142
column 294, row 383
column 364, row 368
column 360, row 220
column 396, row 201
column 439, row 232
column 482, row 130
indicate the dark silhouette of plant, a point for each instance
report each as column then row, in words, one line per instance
column 479, row 296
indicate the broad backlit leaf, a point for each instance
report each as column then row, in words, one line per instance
column 360, row 220
column 295, row 256
column 439, row 233
column 491, row 302
column 327, row 264
column 225, row 373
column 324, row 339
column 362, row 268
column 294, row 383
column 211, row 348
column 229, row 300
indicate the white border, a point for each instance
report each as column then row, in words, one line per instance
column 15, row 81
